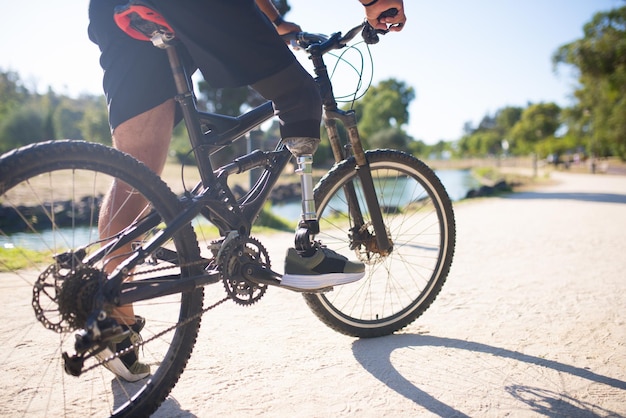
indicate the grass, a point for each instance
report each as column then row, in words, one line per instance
column 18, row 258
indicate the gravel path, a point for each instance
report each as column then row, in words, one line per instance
column 530, row 323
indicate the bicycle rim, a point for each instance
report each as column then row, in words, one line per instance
column 50, row 195
column 418, row 216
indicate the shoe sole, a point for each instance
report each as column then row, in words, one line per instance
column 117, row 367
column 318, row 281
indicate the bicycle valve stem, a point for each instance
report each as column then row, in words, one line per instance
column 305, row 169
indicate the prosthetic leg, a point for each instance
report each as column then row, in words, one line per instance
column 310, row 265
column 303, row 149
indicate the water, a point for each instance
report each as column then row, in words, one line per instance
column 456, row 182
column 50, row 240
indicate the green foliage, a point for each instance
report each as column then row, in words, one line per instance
column 269, row 220
column 17, row 258
column 418, row 148
column 390, row 138
column 440, row 150
column 600, row 58
column 384, row 106
column 381, row 114
column 21, row 127
column 94, row 123
column 27, row 117
column 538, row 123
column 180, row 148
column 596, row 124
column 12, row 93
column 491, row 135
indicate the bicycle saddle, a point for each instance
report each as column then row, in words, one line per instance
column 141, row 21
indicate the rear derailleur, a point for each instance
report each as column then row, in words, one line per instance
column 90, row 341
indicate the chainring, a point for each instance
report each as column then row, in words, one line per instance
column 236, row 253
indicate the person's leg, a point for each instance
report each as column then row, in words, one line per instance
column 297, row 102
column 147, row 138
column 139, row 88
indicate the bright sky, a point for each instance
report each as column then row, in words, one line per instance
column 465, row 58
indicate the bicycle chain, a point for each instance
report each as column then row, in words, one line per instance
column 141, row 343
column 155, row 269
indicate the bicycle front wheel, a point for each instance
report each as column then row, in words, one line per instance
column 398, row 287
column 50, row 196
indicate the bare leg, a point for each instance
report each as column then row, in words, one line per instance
column 147, row 138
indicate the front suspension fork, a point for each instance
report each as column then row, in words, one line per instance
column 364, row 173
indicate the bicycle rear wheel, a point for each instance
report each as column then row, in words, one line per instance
column 419, row 219
column 49, row 200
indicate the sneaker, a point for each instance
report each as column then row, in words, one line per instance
column 127, row 366
column 325, row 268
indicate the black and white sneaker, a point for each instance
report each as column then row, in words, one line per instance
column 127, row 366
column 324, row 268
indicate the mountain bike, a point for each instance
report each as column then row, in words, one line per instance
column 382, row 206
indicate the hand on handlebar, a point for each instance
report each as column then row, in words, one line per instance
column 288, row 27
column 386, row 15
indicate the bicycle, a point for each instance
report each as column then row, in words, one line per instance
column 384, row 206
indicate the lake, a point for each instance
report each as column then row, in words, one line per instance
column 456, row 182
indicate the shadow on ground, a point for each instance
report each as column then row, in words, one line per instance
column 375, row 357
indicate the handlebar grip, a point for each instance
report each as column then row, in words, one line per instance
column 388, row 13
column 370, row 35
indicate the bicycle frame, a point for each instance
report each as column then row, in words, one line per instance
column 213, row 198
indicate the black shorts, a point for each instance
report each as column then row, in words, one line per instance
column 216, row 35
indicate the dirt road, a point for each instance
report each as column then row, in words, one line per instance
column 530, row 323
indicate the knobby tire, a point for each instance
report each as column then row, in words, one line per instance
column 400, row 286
column 44, row 189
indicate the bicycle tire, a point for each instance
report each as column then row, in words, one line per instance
column 418, row 215
column 45, row 174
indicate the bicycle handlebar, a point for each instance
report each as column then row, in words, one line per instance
column 336, row 41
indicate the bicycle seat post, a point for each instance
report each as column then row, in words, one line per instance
column 186, row 99
column 164, row 41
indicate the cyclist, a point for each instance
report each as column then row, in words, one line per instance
column 233, row 43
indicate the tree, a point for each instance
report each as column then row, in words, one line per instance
column 27, row 117
column 67, row 115
column 94, row 124
column 487, row 138
column 507, row 117
column 390, row 138
column 12, row 92
column 538, row 123
column 384, row 106
column 21, row 127
column 600, row 58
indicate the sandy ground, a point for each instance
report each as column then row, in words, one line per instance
column 530, row 323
